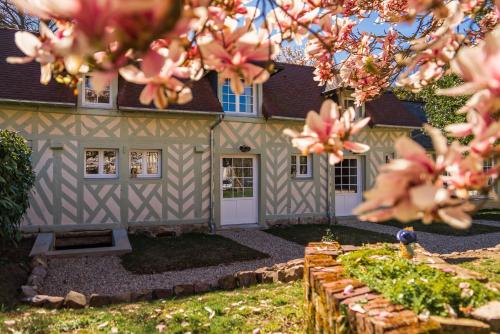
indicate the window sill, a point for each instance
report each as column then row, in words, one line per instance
column 302, row 178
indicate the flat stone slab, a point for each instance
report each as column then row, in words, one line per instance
column 44, row 245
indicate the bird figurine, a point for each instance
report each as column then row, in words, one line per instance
column 406, row 237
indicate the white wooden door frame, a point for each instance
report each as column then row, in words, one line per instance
column 255, row 199
column 340, row 198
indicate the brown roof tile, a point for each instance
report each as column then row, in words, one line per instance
column 387, row 109
column 22, row 82
column 291, row 92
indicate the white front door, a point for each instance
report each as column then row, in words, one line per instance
column 348, row 186
column 239, row 190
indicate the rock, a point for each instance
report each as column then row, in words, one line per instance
column 489, row 313
column 227, row 282
column 97, row 300
column 47, row 301
column 201, row 287
column 291, row 274
column 270, row 277
column 35, row 281
column 29, row 290
column 39, row 261
column 246, row 278
column 120, row 298
column 259, row 273
column 461, row 326
column 140, row 296
column 183, row 289
column 39, row 271
column 75, row 300
column 295, row 262
column 162, row 293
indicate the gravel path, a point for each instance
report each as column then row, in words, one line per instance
column 436, row 243
column 106, row 275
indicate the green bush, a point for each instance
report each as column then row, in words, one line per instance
column 16, row 180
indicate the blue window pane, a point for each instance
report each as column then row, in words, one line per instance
column 225, row 89
column 232, row 98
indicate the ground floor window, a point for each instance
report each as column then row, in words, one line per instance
column 301, row 166
column 346, row 176
column 145, row 163
column 101, row 163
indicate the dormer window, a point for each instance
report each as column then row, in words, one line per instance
column 243, row 104
column 91, row 99
column 350, row 102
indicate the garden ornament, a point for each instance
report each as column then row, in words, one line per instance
column 406, row 237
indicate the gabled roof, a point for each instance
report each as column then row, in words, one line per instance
column 290, row 91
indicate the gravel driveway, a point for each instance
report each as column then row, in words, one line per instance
column 436, row 243
column 106, row 275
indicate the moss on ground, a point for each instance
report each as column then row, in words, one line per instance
column 488, row 267
column 416, row 286
column 271, row 308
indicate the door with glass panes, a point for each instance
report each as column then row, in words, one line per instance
column 348, row 186
column 239, row 190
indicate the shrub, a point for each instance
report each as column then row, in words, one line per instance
column 16, row 180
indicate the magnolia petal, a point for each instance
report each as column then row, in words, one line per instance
column 72, row 63
column 465, row 89
column 152, row 63
column 236, row 84
column 46, row 74
column 290, row 132
column 455, row 217
column 19, row 60
column 423, row 197
column 459, row 129
column 160, row 99
column 438, row 140
column 359, row 125
column 27, row 43
column 100, row 80
column 148, row 94
column 356, row 147
column 133, row 74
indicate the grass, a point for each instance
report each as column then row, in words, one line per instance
column 488, row 214
column 416, row 286
column 488, row 267
column 271, row 308
column 303, row 234
column 192, row 250
column 14, row 271
column 445, row 229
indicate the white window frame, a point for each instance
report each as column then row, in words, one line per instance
column 361, row 108
column 100, row 174
column 88, row 104
column 297, row 174
column 255, row 93
column 144, row 174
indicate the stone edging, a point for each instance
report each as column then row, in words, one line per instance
column 292, row 270
column 336, row 303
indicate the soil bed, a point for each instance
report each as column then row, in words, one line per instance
column 304, row 234
column 193, row 250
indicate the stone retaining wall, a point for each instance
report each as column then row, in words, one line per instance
column 337, row 304
column 292, row 270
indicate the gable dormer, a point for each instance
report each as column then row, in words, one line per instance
column 89, row 98
column 246, row 104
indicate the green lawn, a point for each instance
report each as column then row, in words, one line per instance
column 303, row 234
column 445, row 229
column 192, row 250
column 488, row 267
column 271, row 308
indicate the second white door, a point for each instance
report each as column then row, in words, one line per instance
column 348, row 189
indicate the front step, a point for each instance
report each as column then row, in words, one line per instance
column 82, row 243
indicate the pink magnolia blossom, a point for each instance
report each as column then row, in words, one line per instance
column 234, row 52
column 412, row 186
column 329, row 132
column 160, row 72
column 43, row 49
column 479, row 66
column 291, row 19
